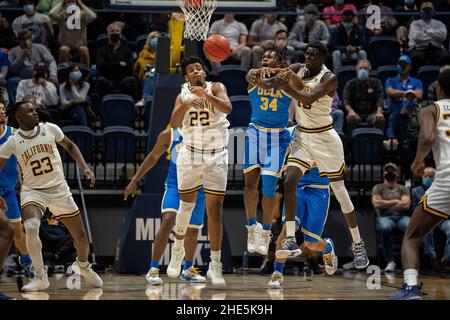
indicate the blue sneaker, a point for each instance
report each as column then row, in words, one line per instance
column 192, row 275
column 408, row 293
column 330, row 260
column 289, row 249
column 360, row 260
column 28, row 268
column 5, row 298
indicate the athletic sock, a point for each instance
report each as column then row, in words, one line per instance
column 215, row 256
column 26, row 260
column 355, row 234
column 290, row 228
column 251, row 221
column 154, row 264
column 267, row 227
column 328, row 248
column 187, row 264
column 178, row 244
column 278, row 266
column 410, row 276
column 84, row 264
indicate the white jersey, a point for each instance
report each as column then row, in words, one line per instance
column 441, row 145
column 317, row 115
column 203, row 129
column 37, row 155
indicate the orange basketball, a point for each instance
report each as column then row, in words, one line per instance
column 216, row 48
column 193, row 3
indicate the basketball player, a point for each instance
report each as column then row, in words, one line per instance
column 170, row 140
column 266, row 142
column 6, row 237
column 318, row 143
column 434, row 136
column 44, row 186
column 200, row 112
column 9, row 178
column 313, row 199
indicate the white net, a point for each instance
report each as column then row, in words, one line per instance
column 198, row 14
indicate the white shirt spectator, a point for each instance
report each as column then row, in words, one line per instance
column 76, row 94
column 35, row 24
column 421, row 34
column 45, row 95
column 232, row 31
column 263, row 31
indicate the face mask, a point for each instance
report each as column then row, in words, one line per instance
column 363, row 74
column 426, row 15
column 28, row 8
column 347, row 25
column 401, row 70
column 115, row 37
column 410, row 103
column 390, row 176
column 75, row 75
column 426, row 182
column 153, row 43
column 310, row 18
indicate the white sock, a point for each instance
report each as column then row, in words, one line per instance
column 355, row 234
column 290, row 228
column 178, row 244
column 410, row 276
column 215, row 256
column 83, row 264
column 34, row 244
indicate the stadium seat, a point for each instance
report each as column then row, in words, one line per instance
column 367, row 146
column 233, row 77
column 385, row 72
column 118, row 110
column 383, row 51
column 63, row 72
column 140, row 42
column 83, row 137
column 242, row 111
column 427, row 74
column 345, row 74
column 119, row 144
column 147, row 113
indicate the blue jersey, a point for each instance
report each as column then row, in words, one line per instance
column 9, row 175
column 312, row 177
column 270, row 108
column 175, row 139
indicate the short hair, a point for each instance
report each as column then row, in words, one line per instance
column 24, row 34
column 364, row 61
column 281, row 31
column 323, row 50
column 118, row 24
column 190, row 60
column 444, row 82
column 13, row 108
column 347, row 13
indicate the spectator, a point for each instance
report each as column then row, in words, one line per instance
column 281, row 40
column 306, row 30
column 432, row 94
column 339, row 7
column 72, row 41
column 396, row 87
column 37, row 23
column 22, row 59
column 7, row 36
column 296, row 6
column 337, row 114
column 363, row 99
column 417, row 194
column 115, row 66
column 236, row 32
column 74, row 97
column 45, row 6
column 348, row 41
column 262, row 34
column 391, row 202
column 147, row 56
column 404, row 22
column 426, row 39
column 3, row 73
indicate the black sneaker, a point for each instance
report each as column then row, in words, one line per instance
column 4, row 297
column 360, row 260
column 289, row 249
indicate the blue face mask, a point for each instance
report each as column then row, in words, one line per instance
column 28, row 8
column 347, row 25
column 426, row 15
column 401, row 70
column 410, row 103
column 363, row 74
column 426, row 182
column 75, row 75
column 153, row 43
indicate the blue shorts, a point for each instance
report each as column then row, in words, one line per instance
column 13, row 212
column 312, row 212
column 171, row 203
column 265, row 150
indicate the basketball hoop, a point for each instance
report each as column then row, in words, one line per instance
column 198, row 14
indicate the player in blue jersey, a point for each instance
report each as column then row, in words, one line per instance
column 313, row 199
column 9, row 178
column 170, row 140
column 266, row 142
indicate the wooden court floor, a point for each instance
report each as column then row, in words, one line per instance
column 345, row 286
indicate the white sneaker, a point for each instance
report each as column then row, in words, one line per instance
column 253, row 237
column 215, row 274
column 390, row 267
column 174, row 267
column 88, row 274
column 330, row 260
column 153, row 292
column 153, row 278
column 37, row 283
column 276, row 281
column 264, row 241
column 192, row 275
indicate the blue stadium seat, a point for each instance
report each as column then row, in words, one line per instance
column 233, row 77
column 147, row 113
column 385, row 72
column 83, row 137
column 119, row 144
column 383, row 51
column 427, row 74
column 118, row 110
column 140, row 42
column 242, row 111
column 345, row 74
column 367, row 146
column 63, row 72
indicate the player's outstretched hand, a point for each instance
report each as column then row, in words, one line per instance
column 3, row 206
column 90, row 176
column 417, row 167
column 131, row 189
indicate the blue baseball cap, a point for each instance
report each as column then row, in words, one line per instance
column 404, row 58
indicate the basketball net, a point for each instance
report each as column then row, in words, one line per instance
column 198, row 14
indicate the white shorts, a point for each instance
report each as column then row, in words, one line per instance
column 196, row 169
column 436, row 200
column 321, row 149
column 57, row 199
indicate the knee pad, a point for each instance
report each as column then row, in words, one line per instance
column 32, row 226
column 183, row 217
column 342, row 196
column 269, row 185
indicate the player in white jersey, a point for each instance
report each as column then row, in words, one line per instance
column 200, row 112
column 316, row 141
column 44, row 186
column 434, row 136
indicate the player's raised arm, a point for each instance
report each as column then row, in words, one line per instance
column 219, row 97
column 160, row 147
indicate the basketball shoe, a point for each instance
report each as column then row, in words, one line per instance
column 264, row 241
column 5, row 297
column 289, row 249
column 253, row 237
column 276, row 281
column 408, row 293
column 360, row 260
column 215, row 274
column 174, row 267
column 87, row 273
column 330, row 260
column 38, row 282
column 153, row 278
column 192, row 275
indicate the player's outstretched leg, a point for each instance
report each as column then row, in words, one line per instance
column 190, row 273
column 251, row 199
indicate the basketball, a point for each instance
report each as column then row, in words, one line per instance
column 193, row 3
column 216, row 48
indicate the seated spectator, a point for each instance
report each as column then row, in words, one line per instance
column 281, row 41
column 432, row 94
column 22, row 59
column 292, row 6
column 417, row 194
column 7, row 36
column 388, row 25
column 337, row 114
column 339, row 7
column 262, row 34
column 37, row 23
column 115, row 66
column 306, row 30
column 426, row 39
column 404, row 22
column 3, row 73
column 348, row 42
column 45, row 6
column 391, row 202
column 363, row 99
column 236, row 32
column 72, row 41
column 396, row 87
column 74, row 98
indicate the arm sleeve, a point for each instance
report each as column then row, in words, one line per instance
column 63, row 96
column 254, row 28
column 48, row 58
column 243, row 29
column 55, row 13
column 438, row 32
column 89, row 15
column 7, row 149
column 376, row 190
column 294, row 37
column 51, row 94
column 404, row 191
column 20, row 93
column 214, row 29
column 55, row 131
